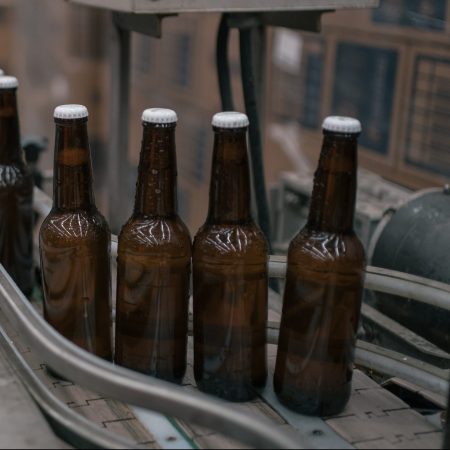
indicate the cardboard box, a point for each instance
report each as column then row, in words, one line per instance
column 367, row 63
column 389, row 69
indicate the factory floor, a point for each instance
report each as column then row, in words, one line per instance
column 22, row 425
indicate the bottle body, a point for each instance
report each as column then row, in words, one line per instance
column 75, row 263
column 320, row 317
column 324, row 285
column 154, row 262
column 153, row 285
column 230, row 311
column 16, row 197
column 230, row 277
column 75, row 243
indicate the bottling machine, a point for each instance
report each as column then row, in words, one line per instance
column 104, row 406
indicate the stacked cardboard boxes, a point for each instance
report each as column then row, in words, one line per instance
column 5, row 33
column 58, row 52
column 390, row 67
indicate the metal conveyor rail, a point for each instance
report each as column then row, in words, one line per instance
column 130, row 387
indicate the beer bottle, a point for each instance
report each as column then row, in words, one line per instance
column 154, row 262
column 16, row 193
column 75, row 243
column 230, row 275
column 324, row 285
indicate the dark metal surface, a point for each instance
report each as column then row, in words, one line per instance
column 391, row 363
column 417, row 241
column 385, row 332
column 298, row 20
column 120, row 192
column 147, row 24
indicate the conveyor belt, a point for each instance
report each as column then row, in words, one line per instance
column 22, row 425
column 115, row 382
column 76, row 429
column 197, row 411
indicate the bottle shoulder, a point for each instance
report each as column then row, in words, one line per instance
column 15, row 175
column 162, row 234
column 245, row 241
column 327, row 251
column 62, row 228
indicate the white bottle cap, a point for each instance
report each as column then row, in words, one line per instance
column 71, row 112
column 8, row 82
column 2, row 73
column 230, row 119
column 338, row 124
column 159, row 116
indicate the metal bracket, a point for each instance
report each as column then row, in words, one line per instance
column 298, row 20
column 147, row 24
column 151, row 24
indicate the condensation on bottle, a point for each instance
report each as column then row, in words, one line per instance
column 324, row 285
column 75, row 243
column 154, row 262
column 230, row 275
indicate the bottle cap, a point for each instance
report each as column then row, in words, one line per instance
column 71, row 112
column 8, row 82
column 338, row 124
column 159, row 116
column 230, row 119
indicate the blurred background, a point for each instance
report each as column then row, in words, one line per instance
column 389, row 67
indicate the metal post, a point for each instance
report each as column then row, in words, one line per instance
column 251, row 82
column 118, row 166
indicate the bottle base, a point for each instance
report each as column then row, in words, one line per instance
column 236, row 393
column 314, row 403
column 168, row 378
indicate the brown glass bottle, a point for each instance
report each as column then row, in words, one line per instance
column 230, row 275
column 75, row 243
column 324, row 286
column 154, row 262
column 16, row 193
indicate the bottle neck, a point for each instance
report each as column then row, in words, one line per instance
column 156, row 193
column 73, row 168
column 10, row 147
column 230, row 195
column 334, row 194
